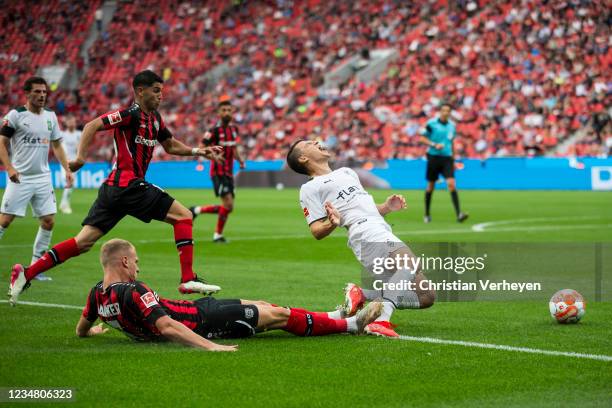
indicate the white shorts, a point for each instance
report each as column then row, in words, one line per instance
column 39, row 194
column 373, row 240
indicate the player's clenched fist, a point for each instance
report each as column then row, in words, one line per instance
column 395, row 202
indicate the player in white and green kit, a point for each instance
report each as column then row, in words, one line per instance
column 29, row 130
column 71, row 137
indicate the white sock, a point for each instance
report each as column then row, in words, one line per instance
column 41, row 244
column 351, row 324
column 336, row 314
column 388, row 309
column 66, row 197
column 2, row 229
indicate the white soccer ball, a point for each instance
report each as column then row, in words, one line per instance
column 567, row 306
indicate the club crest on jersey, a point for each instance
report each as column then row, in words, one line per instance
column 148, row 299
column 114, row 118
column 49, row 125
column 5, row 122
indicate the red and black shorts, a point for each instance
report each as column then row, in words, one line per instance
column 139, row 199
column 223, row 185
column 226, row 318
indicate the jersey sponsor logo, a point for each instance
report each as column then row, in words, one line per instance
column 148, row 299
column 114, row 118
column 147, row 142
column 306, row 213
column 35, row 140
column 228, row 143
column 109, row 310
column 344, row 193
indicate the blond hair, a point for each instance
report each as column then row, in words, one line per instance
column 112, row 248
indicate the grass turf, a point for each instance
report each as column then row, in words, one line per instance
column 272, row 256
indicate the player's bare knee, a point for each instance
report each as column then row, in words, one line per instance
column 5, row 221
column 426, row 299
column 47, row 223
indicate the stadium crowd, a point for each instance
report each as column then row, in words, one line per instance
column 522, row 76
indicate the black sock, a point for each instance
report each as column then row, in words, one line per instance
column 455, row 198
column 427, row 202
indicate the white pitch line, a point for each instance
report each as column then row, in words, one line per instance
column 413, row 232
column 432, row 340
column 55, row 305
column 484, row 225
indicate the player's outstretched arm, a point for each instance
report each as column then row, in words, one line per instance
column 395, row 202
column 85, row 328
column 179, row 333
column 177, row 148
column 87, row 135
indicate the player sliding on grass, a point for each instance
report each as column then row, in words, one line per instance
column 137, row 130
column 132, row 307
column 337, row 199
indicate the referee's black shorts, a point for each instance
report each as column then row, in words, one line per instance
column 226, row 318
column 439, row 165
column 139, row 199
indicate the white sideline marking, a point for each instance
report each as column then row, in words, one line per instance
column 45, row 305
column 599, row 357
column 484, row 225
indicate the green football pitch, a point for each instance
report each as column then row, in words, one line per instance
column 505, row 352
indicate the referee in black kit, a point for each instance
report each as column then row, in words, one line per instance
column 439, row 134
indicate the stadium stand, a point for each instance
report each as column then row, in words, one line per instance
column 523, row 77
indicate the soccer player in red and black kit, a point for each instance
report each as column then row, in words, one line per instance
column 224, row 134
column 137, row 130
column 132, row 307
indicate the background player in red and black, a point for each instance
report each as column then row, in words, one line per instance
column 224, row 134
column 137, row 130
column 132, row 307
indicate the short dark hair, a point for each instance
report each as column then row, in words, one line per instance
column 443, row 104
column 146, row 78
column 27, row 85
column 225, row 102
column 293, row 158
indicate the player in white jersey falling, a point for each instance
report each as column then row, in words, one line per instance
column 29, row 130
column 337, row 199
column 71, row 137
